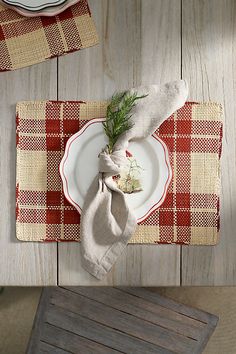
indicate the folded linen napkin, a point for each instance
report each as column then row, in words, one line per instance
column 107, row 223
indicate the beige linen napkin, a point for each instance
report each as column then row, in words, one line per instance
column 107, row 223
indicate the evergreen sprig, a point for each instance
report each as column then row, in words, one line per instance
column 118, row 116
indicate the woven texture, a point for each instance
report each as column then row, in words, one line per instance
column 190, row 212
column 26, row 41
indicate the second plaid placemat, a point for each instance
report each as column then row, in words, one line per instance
column 26, row 41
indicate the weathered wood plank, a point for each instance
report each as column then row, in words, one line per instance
column 100, row 333
column 157, row 299
column 131, row 52
column 122, row 321
column 210, row 321
column 70, row 341
column 45, row 348
column 143, row 309
column 209, row 45
column 21, row 263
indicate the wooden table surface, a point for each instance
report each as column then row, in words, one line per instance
column 141, row 42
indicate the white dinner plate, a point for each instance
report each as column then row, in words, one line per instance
column 48, row 11
column 79, row 166
column 32, row 5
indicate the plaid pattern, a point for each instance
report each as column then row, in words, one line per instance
column 190, row 212
column 26, row 41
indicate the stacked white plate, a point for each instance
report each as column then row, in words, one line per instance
column 32, row 8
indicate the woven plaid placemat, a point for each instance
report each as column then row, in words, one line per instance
column 190, row 212
column 26, row 41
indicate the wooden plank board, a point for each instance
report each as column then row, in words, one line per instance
column 72, row 342
column 143, row 309
column 101, row 334
column 21, row 263
column 82, row 320
column 131, row 52
column 209, row 65
column 45, row 348
column 121, row 321
column 176, row 307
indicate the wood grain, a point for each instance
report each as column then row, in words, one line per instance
column 209, row 65
column 21, row 263
column 139, row 44
column 120, row 321
column 100, row 320
column 131, row 303
column 73, row 342
column 45, row 348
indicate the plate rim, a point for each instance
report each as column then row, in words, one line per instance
column 47, row 12
column 65, row 182
column 36, row 8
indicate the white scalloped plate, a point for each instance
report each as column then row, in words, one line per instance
column 48, row 11
column 79, row 166
column 32, row 5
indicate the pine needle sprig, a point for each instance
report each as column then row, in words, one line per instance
column 118, row 116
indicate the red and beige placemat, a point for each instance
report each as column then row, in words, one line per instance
column 190, row 212
column 26, row 41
